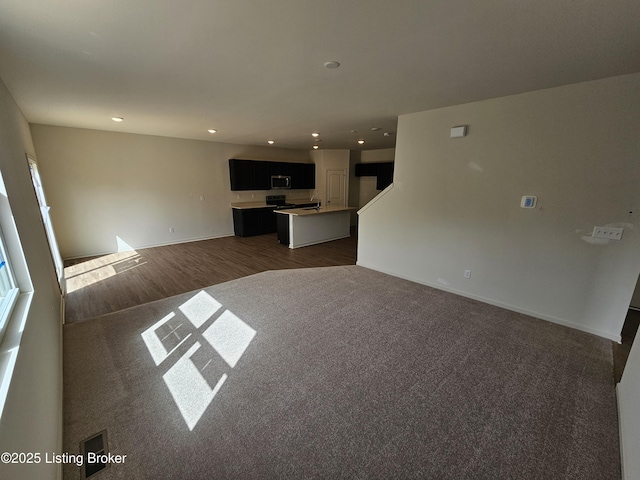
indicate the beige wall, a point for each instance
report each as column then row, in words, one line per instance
column 105, row 185
column 455, row 203
column 32, row 416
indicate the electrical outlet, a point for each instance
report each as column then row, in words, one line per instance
column 611, row 233
column 467, row 274
column 171, row 230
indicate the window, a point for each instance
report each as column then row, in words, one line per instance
column 16, row 292
column 8, row 289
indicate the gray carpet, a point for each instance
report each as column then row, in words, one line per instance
column 339, row 372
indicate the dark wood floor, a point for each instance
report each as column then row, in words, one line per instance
column 108, row 283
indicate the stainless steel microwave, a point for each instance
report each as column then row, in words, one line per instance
column 280, row 181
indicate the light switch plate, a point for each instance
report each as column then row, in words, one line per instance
column 611, row 233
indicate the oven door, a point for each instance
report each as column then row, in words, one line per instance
column 280, row 181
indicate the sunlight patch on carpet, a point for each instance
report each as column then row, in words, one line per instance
column 230, row 337
column 200, row 308
column 189, row 388
column 192, row 382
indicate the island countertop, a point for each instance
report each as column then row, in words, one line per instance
column 264, row 204
column 314, row 211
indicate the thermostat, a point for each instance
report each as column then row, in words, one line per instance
column 528, row 202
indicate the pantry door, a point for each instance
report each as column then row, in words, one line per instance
column 336, row 188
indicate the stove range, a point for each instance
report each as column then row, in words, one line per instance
column 279, row 201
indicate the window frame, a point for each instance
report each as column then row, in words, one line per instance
column 45, row 209
column 16, row 309
column 9, row 301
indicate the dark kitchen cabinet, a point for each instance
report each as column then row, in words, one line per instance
column 366, row 169
column 268, row 220
column 261, row 176
column 256, row 174
column 249, row 222
column 303, row 175
column 309, row 175
column 241, row 174
column 280, row 168
column 383, row 172
column 282, row 223
column 249, row 175
column 385, row 175
column 295, row 170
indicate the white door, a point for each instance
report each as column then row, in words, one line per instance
column 336, row 188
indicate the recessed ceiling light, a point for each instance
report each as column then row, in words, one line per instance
column 314, row 134
column 360, row 141
column 375, row 129
column 315, row 147
column 271, row 142
column 212, row 130
column 387, row 134
column 353, row 131
column 117, row 119
column 332, row 64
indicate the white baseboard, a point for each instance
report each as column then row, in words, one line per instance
column 151, row 245
column 513, row 308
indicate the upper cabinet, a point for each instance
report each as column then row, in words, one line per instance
column 248, row 175
column 256, row 175
column 383, row 171
column 279, row 168
column 303, row 175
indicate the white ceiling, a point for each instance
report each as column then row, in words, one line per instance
column 253, row 69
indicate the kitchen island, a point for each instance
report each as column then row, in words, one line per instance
column 257, row 217
column 300, row 227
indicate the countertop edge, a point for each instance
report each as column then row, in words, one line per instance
column 313, row 211
column 248, row 206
